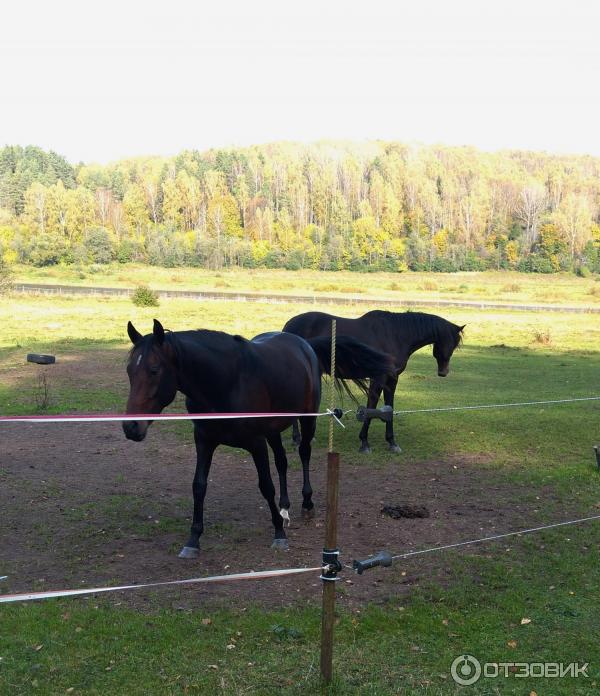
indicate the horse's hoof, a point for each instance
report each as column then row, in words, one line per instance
column 189, row 552
column 395, row 448
column 280, row 544
column 365, row 449
column 308, row 513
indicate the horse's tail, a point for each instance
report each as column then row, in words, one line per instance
column 354, row 361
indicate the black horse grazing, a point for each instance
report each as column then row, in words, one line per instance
column 219, row 373
column 399, row 335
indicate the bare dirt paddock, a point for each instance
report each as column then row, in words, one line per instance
column 82, row 506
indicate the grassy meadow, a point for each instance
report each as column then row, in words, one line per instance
column 504, row 286
column 401, row 647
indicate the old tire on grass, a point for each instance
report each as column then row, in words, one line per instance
column 41, row 359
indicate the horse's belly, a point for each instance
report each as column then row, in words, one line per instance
column 240, row 432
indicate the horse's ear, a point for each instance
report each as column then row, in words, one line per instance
column 461, row 328
column 133, row 333
column 159, row 332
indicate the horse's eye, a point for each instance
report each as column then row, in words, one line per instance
column 154, row 370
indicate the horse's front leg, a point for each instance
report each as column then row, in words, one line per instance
column 260, row 454
column 375, row 387
column 204, row 453
column 388, row 397
column 281, row 464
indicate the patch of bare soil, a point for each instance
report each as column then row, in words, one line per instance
column 82, row 506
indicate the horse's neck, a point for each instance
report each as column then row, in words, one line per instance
column 207, row 376
column 423, row 336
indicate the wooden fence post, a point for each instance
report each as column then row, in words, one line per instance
column 330, row 550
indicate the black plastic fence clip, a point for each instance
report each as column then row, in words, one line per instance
column 383, row 558
column 338, row 413
column 331, row 565
column 597, row 450
column 385, row 413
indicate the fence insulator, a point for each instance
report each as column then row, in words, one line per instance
column 383, row 558
column 331, row 565
column 385, row 413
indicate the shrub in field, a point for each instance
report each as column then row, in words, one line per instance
column 511, row 287
column 535, row 263
column 46, row 250
column 351, row 289
column 143, row 296
column 42, row 393
column 444, row 265
column 333, row 287
column 583, row 272
column 98, row 245
column 5, row 276
column 125, row 251
column 542, row 337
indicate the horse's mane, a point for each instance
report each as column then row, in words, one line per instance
column 208, row 338
column 219, row 338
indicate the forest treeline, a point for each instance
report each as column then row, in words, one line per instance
column 330, row 206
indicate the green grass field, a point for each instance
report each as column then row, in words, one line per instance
column 504, row 286
column 94, row 646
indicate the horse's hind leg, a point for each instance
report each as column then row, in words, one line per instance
column 375, row 387
column 388, row 397
column 204, row 453
column 260, row 455
column 295, row 433
column 281, row 464
column 307, row 428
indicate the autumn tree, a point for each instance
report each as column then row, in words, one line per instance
column 327, row 205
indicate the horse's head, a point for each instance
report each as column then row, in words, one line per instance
column 152, row 377
column 445, row 345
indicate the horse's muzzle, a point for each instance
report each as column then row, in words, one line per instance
column 135, row 430
column 444, row 371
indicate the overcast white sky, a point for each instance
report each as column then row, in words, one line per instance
column 104, row 80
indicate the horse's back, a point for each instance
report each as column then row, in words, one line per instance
column 309, row 324
column 315, row 324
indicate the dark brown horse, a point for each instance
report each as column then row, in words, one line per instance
column 399, row 335
column 219, row 373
